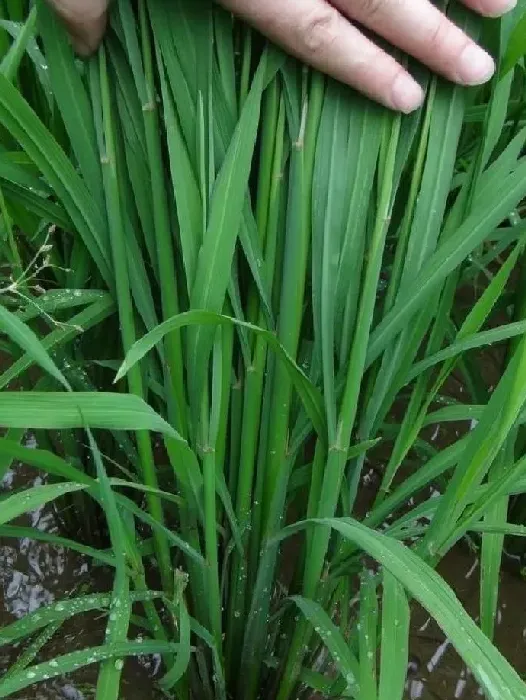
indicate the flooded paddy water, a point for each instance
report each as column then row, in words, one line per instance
column 435, row 671
column 35, row 574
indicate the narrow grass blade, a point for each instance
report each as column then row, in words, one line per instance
column 367, row 635
column 23, row 124
column 395, row 639
column 37, row 204
column 486, row 440
column 42, row 459
column 448, row 256
column 437, row 465
column 30, row 533
column 23, row 37
column 159, row 529
column 23, row 336
column 226, row 207
column 76, row 410
column 516, row 48
column 33, row 51
column 61, row 334
column 32, row 650
column 341, row 654
column 109, row 677
column 170, row 679
column 63, row 610
column 490, row 565
column 143, row 488
column 309, row 394
column 72, row 99
column 33, row 498
column 477, row 340
column 79, row 659
column 498, row 678
column 57, row 300
column 503, row 528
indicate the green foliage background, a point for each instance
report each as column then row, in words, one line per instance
column 205, row 241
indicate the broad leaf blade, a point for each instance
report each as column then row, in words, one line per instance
column 78, row 410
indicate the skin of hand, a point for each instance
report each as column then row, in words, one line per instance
column 322, row 34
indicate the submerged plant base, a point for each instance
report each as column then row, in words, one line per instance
column 34, row 574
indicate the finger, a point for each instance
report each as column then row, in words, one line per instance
column 420, row 29
column 491, row 8
column 85, row 21
column 314, row 31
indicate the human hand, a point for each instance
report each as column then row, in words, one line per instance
column 85, row 21
column 322, row 34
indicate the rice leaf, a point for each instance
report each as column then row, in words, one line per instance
column 367, row 634
column 448, row 256
column 170, row 679
column 33, row 498
column 494, row 673
column 76, row 410
column 308, row 393
column 23, row 336
column 61, row 334
column 79, row 659
column 71, row 97
column 30, row 533
column 215, row 256
column 23, row 124
column 516, row 48
column 395, row 639
column 63, row 610
column 338, row 648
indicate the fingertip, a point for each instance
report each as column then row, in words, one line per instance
column 493, row 8
column 86, row 37
column 406, row 94
column 475, row 66
column 81, row 47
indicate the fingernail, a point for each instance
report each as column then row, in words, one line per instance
column 475, row 66
column 497, row 8
column 406, row 94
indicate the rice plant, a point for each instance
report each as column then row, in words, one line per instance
column 229, row 293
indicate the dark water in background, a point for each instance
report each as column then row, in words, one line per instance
column 35, row 574
column 440, row 673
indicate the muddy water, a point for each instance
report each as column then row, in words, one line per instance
column 35, row 574
column 436, row 671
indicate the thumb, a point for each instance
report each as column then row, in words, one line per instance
column 85, row 21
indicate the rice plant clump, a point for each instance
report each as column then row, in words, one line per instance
column 233, row 314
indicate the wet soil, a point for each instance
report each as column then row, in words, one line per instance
column 35, row 574
column 436, row 672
